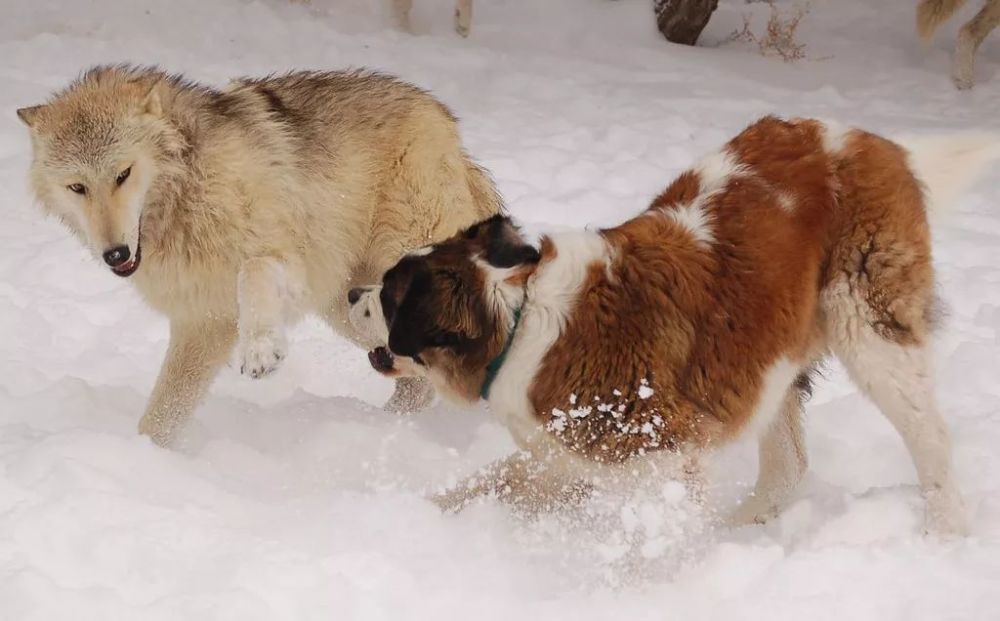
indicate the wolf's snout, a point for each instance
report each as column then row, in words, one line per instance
column 354, row 295
column 117, row 256
column 380, row 359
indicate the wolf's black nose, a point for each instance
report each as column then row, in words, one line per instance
column 354, row 295
column 117, row 255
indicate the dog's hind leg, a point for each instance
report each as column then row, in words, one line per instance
column 970, row 37
column 269, row 292
column 898, row 379
column 878, row 322
column 196, row 352
column 783, row 460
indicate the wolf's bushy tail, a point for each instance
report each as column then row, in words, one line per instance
column 933, row 13
column 947, row 165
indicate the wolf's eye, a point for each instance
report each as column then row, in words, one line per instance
column 123, row 175
column 78, row 188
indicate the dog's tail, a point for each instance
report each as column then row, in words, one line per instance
column 933, row 13
column 947, row 165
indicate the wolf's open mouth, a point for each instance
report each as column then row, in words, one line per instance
column 129, row 267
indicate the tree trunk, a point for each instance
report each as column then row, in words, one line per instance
column 681, row 21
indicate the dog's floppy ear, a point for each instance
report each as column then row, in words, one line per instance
column 403, row 296
column 29, row 116
column 505, row 247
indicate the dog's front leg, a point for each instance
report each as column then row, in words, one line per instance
column 520, row 480
column 196, row 352
column 267, row 290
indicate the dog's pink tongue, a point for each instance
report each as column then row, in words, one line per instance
column 124, row 267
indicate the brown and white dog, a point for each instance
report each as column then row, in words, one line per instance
column 698, row 320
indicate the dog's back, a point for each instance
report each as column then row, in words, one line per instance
column 796, row 238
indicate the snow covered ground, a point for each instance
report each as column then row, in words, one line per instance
column 296, row 497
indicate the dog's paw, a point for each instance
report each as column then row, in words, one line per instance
column 260, row 355
column 412, row 394
column 451, row 501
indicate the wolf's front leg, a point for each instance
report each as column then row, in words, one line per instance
column 268, row 291
column 196, row 352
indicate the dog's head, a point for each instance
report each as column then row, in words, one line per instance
column 448, row 308
column 97, row 148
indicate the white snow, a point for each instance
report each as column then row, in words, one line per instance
column 296, row 497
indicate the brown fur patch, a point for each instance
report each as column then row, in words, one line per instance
column 671, row 343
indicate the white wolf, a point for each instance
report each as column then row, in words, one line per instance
column 236, row 211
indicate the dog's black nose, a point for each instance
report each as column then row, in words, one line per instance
column 380, row 359
column 117, row 255
column 354, row 295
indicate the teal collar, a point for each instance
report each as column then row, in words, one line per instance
column 494, row 366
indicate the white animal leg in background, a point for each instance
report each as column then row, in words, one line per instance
column 463, row 17
column 401, row 14
column 196, row 353
column 970, row 37
column 268, row 292
column 898, row 379
column 783, row 461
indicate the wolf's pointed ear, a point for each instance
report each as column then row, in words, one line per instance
column 506, row 247
column 151, row 103
column 29, row 116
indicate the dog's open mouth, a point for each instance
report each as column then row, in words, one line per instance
column 129, row 267
column 381, row 359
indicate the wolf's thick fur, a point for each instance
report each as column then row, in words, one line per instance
column 249, row 206
column 933, row 13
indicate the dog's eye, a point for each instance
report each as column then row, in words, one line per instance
column 78, row 188
column 123, row 175
column 444, row 339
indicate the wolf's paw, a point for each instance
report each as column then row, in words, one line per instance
column 946, row 515
column 159, row 431
column 262, row 354
column 751, row 511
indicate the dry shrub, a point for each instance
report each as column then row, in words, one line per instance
column 779, row 38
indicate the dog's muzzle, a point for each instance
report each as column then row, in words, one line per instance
column 381, row 359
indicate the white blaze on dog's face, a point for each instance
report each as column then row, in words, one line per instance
column 93, row 170
column 440, row 307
